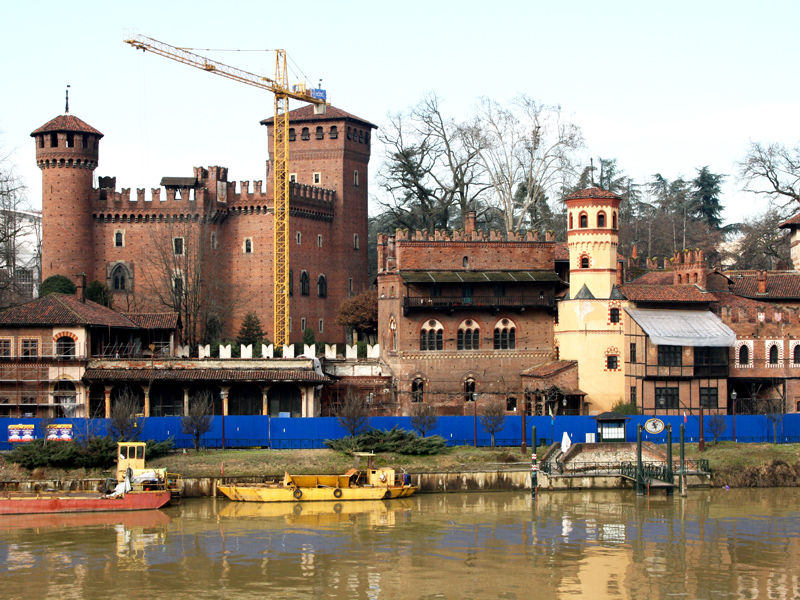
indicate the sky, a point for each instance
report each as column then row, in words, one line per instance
column 663, row 87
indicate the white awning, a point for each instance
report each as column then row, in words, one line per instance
column 683, row 327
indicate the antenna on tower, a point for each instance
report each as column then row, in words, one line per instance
column 66, row 109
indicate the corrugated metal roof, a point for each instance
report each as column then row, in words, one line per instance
column 683, row 327
column 478, row 276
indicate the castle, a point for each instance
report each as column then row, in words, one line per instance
column 203, row 246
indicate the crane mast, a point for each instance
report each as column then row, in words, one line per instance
column 279, row 86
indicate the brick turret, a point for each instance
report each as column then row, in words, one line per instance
column 67, row 151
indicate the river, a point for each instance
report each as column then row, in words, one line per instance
column 741, row 544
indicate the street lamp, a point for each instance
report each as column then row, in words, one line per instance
column 733, row 406
column 475, row 419
column 661, row 402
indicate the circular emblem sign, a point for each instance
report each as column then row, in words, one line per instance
column 654, row 426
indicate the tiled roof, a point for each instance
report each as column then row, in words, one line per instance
column 655, row 278
column 666, row 293
column 155, row 320
column 728, row 299
column 549, row 369
column 592, row 192
column 63, row 309
column 66, row 123
column 779, row 285
column 791, row 222
column 204, row 375
column 306, row 113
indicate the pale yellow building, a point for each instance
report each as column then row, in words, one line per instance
column 590, row 325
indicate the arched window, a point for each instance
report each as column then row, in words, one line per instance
column 469, row 390
column 469, row 336
column 118, row 239
column 796, row 355
column 418, row 390
column 744, row 355
column 304, row 134
column 465, row 262
column 584, row 221
column 248, row 246
column 65, row 347
column 320, row 134
column 431, row 336
column 299, row 238
column 119, row 278
column 614, row 220
column 334, row 132
column 570, row 221
column 304, row 284
column 601, row 219
column 585, row 262
column 292, row 135
column 505, row 335
column 322, row 287
column 773, row 354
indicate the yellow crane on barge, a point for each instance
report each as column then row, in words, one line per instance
column 279, row 86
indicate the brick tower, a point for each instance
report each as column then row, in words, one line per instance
column 67, row 153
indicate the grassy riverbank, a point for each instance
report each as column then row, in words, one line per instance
column 736, row 465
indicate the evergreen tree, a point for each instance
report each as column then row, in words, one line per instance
column 97, row 292
column 251, row 332
column 59, row 284
column 706, row 190
column 309, row 339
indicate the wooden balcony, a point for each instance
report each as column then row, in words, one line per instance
column 475, row 303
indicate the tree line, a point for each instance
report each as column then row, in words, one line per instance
column 514, row 164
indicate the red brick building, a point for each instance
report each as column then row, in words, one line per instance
column 205, row 232
column 463, row 315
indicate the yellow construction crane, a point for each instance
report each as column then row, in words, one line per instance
column 280, row 87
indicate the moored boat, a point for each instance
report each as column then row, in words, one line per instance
column 135, row 488
column 370, row 484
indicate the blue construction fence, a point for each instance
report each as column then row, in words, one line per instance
column 294, row 433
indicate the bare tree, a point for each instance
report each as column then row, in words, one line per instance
column 773, row 406
column 353, row 413
column 717, row 426
column 182, row 274
column 772, row 169
column 197, row 422
column 126, row 423
column 493, row 417
column 527, row 143
column 424, row 417
column 20, row 238
column 429, row 169
column 760, row 243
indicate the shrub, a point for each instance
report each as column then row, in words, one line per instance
column 626, row 408
column 395, row 440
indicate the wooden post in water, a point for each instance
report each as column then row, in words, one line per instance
column 683, row 464
column 639, row 471
column 534, row 466
column 670, row 474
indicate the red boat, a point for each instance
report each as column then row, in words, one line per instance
column 136, row 488
column 20, row 503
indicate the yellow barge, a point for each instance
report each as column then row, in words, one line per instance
column 371, row 484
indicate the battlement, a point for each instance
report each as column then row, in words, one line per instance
column 458, row 235
column 770, row 315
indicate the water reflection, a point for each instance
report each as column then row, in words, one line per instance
column 712, row 544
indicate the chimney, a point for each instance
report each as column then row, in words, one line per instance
column 469, row 222
column 80, row 286
column 762, row 282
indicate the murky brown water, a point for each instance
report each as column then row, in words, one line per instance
column 713, row 544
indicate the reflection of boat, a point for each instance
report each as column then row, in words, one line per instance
column 136, row 488
column 371, row 484
column 376, row 512
column 142, row 519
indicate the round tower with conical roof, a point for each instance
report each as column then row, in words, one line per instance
column 67, row 151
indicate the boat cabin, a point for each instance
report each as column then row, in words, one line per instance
column 129, row 455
